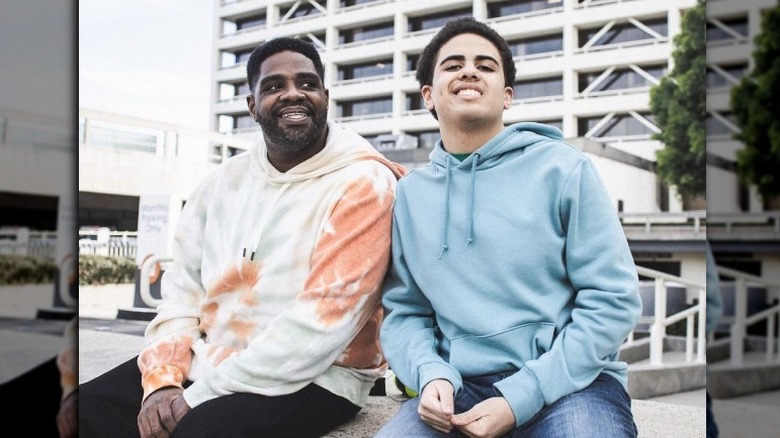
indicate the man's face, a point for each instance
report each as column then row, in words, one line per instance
column 290, row 103
column 468, row 82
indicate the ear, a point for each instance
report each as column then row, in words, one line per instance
column 250, row 103
column 509, row 94
column 426, row 92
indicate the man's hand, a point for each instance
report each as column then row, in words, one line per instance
column 161, row 411
column 67, row 416
column 436, row 405
column 490, row 418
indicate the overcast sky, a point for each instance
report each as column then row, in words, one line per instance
column 146, row 58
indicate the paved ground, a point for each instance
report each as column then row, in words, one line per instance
column 105, row 342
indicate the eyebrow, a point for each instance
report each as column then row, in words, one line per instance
column 463, row 58
column 299, row 76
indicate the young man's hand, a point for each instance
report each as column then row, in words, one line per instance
column 161, row 412
column 436, row 405
column 68, row 416
column 490, row 418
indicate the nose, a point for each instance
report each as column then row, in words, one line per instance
column 469, row 70
column 291, row 92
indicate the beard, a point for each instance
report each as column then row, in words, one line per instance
column 295, row 139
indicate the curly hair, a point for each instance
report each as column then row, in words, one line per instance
column 457, row 27
column 276, row 45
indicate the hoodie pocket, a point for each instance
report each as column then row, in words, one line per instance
column 507, row 350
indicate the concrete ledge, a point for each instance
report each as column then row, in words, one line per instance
column 102, row 350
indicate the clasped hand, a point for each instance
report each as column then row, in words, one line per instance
column 488, row 419
column 161, row 412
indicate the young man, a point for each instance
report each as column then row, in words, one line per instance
column 512, row 286
column 271, row 309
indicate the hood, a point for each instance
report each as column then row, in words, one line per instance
column 342, row 147
column 513, row 139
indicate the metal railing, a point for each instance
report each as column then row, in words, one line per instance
column 695, row 340
column 741, row 320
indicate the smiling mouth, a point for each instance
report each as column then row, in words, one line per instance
column 294, row 116
column 468, row 93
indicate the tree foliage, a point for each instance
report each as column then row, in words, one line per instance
column 754, row 102
column 678, row 103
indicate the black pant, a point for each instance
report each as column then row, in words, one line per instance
column 35, row 394
column 109, row 406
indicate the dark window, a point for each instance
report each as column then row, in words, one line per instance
column 303, row 9
column 367, row 70
column 623, row 32
column 243, row 121
column 249, row 22
column 621, row 125
column 242, row 89
column 512, row 7
column 714, row 126
column 671, row 268
column 621, row 78
column 436, row 20
column 348, row 3
column 715, row 79
column 414, row 101
column 365, row 107
column 738, row 25
column 426, row 139
column 411, row 62
column 532, row 46
column 538, row 88
column 366, row 33
column 373, row 138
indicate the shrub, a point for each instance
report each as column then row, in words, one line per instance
column 97, row 269
column 16, row 269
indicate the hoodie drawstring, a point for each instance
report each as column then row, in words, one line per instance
column 470, row 233
column 264, row 221
column 446, row 209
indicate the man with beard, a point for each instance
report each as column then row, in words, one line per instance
column 271, row 308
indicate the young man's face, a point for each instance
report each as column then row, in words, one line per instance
column 290, row 103
column 468, row 82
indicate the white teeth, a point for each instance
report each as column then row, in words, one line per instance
column 468, row 92
column 293, row 115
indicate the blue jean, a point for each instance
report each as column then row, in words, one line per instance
column 601, row 409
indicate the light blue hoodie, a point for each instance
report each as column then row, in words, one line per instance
column 512, row 260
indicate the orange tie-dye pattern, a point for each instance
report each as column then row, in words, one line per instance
column 355, row 256
column 238, row 279
column 165, row 363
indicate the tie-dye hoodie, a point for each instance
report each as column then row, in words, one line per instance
column 67, row 360
column 276, row 278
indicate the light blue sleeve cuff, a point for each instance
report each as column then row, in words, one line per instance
column 439, row 370
column 523, row 393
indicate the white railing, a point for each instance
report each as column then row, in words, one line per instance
column 24, row 242
column 660, row 321
column 108, row 243
column 741, row 321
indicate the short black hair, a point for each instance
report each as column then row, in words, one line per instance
column 276, row 45
column 457, row 27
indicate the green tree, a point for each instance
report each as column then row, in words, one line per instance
column 754, row 102
column 678, row 103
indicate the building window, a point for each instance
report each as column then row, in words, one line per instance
column 716, row 127
column 715, row 79
column 623, row 33
column 529, row 89
column 373, row 138
column 737, row 25
column 228, row 91
column 348, row 3
column 620, row 79
column 434, row 21
column 358, row 71
column 381, row 30
column 365, row 107
column 414, row 101
column 512, row 7
column 411, row 62
column 426, row 139
column 536, row 45
column 619, row 126
column 244, row 121
column 231, row 59
column 299, row 9
column 239, row 24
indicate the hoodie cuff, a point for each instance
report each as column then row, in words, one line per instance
column 436, row 370
column 523, row 393
column 161, row 377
